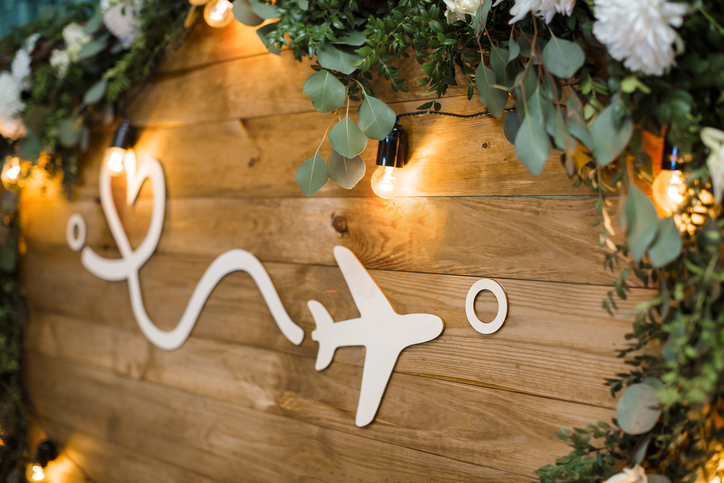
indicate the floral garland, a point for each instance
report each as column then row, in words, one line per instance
column 614, row 85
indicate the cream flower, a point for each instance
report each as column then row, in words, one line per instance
column 75, row 39
column 119, row 17
column 714, row 140
column 544, row 9
column 60, row 60
column 10, row 105
column 457, row 9
column 20, row 66
column 635, row 475
column 639, row 32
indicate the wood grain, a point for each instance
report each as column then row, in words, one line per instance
column 224, row 441
column 557, row 341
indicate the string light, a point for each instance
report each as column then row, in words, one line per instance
column 38, row 474
column 47, row 451
column 14, row 173
column 218, row 13
column 114, row 155
column 669, row 187
column 388, row 179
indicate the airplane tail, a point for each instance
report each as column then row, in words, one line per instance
column 324, row 322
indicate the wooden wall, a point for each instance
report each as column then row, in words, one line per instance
column 238, row 402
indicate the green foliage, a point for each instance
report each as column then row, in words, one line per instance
column 346, row 172
column 312, row 175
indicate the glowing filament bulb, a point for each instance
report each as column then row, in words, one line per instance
column 12, row 174
column 668, row 190
column 218, row 13
column 113, row 159
column 38, row 474
column 387, row 181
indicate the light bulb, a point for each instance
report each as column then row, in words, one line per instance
column 38, row 474
column 668, row 190
column 218, row 13
column 113, row 159
column 13, row 175
column 387, row 181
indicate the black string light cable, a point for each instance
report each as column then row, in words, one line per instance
column 449, row 114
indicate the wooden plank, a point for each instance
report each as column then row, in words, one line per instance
column 103, row 461
column 258, row 86
column 246, row 159
column 557, row 341
column 222, row 440
column 525, row 238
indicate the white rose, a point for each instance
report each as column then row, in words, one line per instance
column 120, row 19
column 10, row 105
column 75, row 39
column 60, row 60
column 714, row 140
column 635, row 475
column 457, row 9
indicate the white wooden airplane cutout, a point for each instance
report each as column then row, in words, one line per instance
column 383, row 332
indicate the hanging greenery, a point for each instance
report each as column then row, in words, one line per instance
column 599, row 81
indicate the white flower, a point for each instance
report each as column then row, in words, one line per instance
column 75, row 39
column 10, row 105
column 120, row 19
column 60, row 60
column 635, row 475
column 639, row 32
column 457, row 9
column 20, row 66
column 544, row 9
column 714, row 140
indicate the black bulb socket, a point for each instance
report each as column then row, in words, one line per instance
column 123, row 135
column 47, row 451
column 392, row 151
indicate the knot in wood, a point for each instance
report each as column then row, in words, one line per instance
column 339, row 223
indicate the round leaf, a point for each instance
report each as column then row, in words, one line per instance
column 532, row 145
column 95, row 93
column 243, row 13
column 347, row 139
column 511, row 124
column 264, row 10
column 494, row 99
column 337, row 58
column 353, row 37
column 311, row 175
column 345, row 172
column 637, row 409
column 91, row 49
column 376, row 119
column 667, row 245
column 562, row 57
column 609, row 140
column 642, row 222
column 67, row 133
column 325, row 91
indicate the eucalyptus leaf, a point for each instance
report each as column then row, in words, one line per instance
column 264, row 10
column 68, row 135
column 532, row 145
column 96, row 92
column 84, row 140
column 244, row 14
column 639, row 452
column 325, row 91
column 539, row 107
column 29, row 147
column 263, row 33
column 91, row 49
column 8, row 254
column 303, row 4
column 511, row 124
column 556, row 127
column 608, row 139
column 667, row 246
column 562, row 57
column 642, row 222
column 493, row 98
column 312, row 175
column 93, row 24
column 347, row 139
column 376, row 119
column 498, row 61
column 513, row 48
column 352, row 37
column 346, row 172
column 637, row 410
column 337, row 58
column 481, row 16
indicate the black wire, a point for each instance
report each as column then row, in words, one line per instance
column 449, row 114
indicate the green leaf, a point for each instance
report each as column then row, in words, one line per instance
column 493, row 98
column 263, row 33
column 346, row 172
column 513, row 48
column 325, row 91
column 481, row 16
column 532, row 145
column 93, row 24
column 311, row 175
column 29, row 148
column 609, row 140
column 562, row 57
column 91, row 49
column 498, row 61
column 264, row 10
column 511, row 124
column 556, row 127
column 539, row 107
column 576, row 125
column 68, row 135
column 639, row 452
column 337, row 58
column 8, row 254
column 642, row 222
column 96, row 92
column 347, row 139
column 244, row 14
column 376, row 119
column 637, row 410
column 667, row 246
column 353, row 37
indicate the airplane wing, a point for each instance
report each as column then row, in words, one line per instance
column 368, row 297
column 379, row 363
